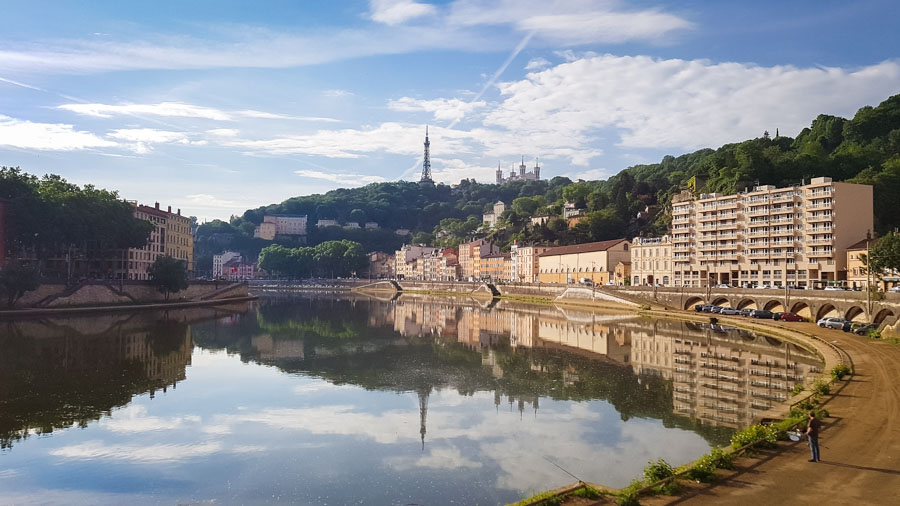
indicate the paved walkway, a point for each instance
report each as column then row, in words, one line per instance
column 860, row 443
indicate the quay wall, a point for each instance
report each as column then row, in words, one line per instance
column 54, row 295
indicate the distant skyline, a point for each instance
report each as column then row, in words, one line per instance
column 217, row 107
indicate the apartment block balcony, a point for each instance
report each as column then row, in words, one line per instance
column 733, row 204
column 758, row 232
column 780, row 232
column 707, row 227
column 814, row 218
column 680, row 219
column 707, row 217
column 731, row 225
column 784, row 197
column 791, row 218
column 756, row 211
column 820, row 240
column 760, row 254
column 824, row 192
column 682, row 211
column 821, row 205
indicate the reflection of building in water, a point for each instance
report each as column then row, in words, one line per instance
column 277, row 349
column 720, row 376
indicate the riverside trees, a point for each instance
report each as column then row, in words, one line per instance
column 330, row 258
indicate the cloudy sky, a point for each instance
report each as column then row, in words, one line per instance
column 218, row 106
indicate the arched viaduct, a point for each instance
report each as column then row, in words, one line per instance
column 813, row 304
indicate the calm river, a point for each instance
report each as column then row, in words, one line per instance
column 324, row 399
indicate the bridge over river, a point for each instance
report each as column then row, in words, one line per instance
column 813, row 304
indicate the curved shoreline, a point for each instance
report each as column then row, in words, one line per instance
column 87, row 310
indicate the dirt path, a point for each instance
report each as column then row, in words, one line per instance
column 860, row 444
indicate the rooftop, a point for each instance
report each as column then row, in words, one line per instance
column 582, row 248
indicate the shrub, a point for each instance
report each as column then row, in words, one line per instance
column 628, row 496
column 874, row 334
column 839, row 371
column 659, row 470
column 644, row 307
column 798, row 388
column 757, row 435
column 820, row 387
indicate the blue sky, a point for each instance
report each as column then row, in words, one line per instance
column 216, row 107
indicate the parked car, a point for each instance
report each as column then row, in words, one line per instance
column 763, row 287
column 831, row 323
column 699, row 308
column 761, row 313
column 747, row 311
column 796, row 287
column 852, row 326
column 777, row 315
column 715, row 309
column 792, row 317
column 834, row 289
column 586, row 282
column 863, row 330
column 730, row 311
column 896, row 289
column 723, row 285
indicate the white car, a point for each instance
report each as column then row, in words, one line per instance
column 834, row 289
column 831, row 323
column 896, row 289
column 730, row 310
column 763, row 287
column 723, row 285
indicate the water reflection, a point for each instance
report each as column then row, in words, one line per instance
column 410, row 399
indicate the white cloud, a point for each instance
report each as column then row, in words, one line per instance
column 224, row 132
column 463, row 25
column 444, row 109
column 270, row 115
column 683, row 104
column 436, row 458
column 537, row 64
column 454, row 170
column 589, row 175
column 93, row 450
column 393, row 12
column 169, row 109
column 134, row 419
column 336, row 93
column 47, row 136
column 148, row 135
column 206, row 200
column 389, row 137
column 341, row 179
column 569, row 22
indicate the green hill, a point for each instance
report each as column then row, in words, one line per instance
column 864, row 149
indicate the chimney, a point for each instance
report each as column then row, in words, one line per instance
column 179, row 212
column 170, row 209
column 157, row 206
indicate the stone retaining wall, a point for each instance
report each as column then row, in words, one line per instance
column 100, row 293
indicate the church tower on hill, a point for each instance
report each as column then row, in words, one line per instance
column 522, row 175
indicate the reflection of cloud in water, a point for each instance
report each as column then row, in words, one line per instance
column 436, row 458
column 91, row 450
column 134, row 419
column 318, row 386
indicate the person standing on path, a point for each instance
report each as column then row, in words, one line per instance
column 812, row 435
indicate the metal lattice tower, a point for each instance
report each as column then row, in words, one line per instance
column 426, row 165
column 423, row 413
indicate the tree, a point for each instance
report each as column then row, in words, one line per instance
column 17, row 279
column 168, row 275
column 885, row 254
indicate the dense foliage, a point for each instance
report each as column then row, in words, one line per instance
column 16, row 280
column 168, row 275
column 330, row 258
column 47, row 216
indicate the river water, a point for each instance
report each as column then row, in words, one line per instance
column 341, row 399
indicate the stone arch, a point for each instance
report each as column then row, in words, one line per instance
column 746, row 304
column 691, row 302
column 802, row 309
column 774, row 305
column 855, row 314
column 882, row 316
column 827, row 310
column 721, row 301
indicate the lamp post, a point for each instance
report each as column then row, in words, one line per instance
column 868, row 279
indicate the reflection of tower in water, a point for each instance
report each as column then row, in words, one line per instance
column 423, row 412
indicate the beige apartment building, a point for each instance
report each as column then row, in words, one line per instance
column 524, row 262
column 857, row 269
column 651, row 261
column 281, row 224
column 596, row 261
column 772, row 236
column 179, row 239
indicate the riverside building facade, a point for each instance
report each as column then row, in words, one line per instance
column 769, row 236
column 651, row 261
